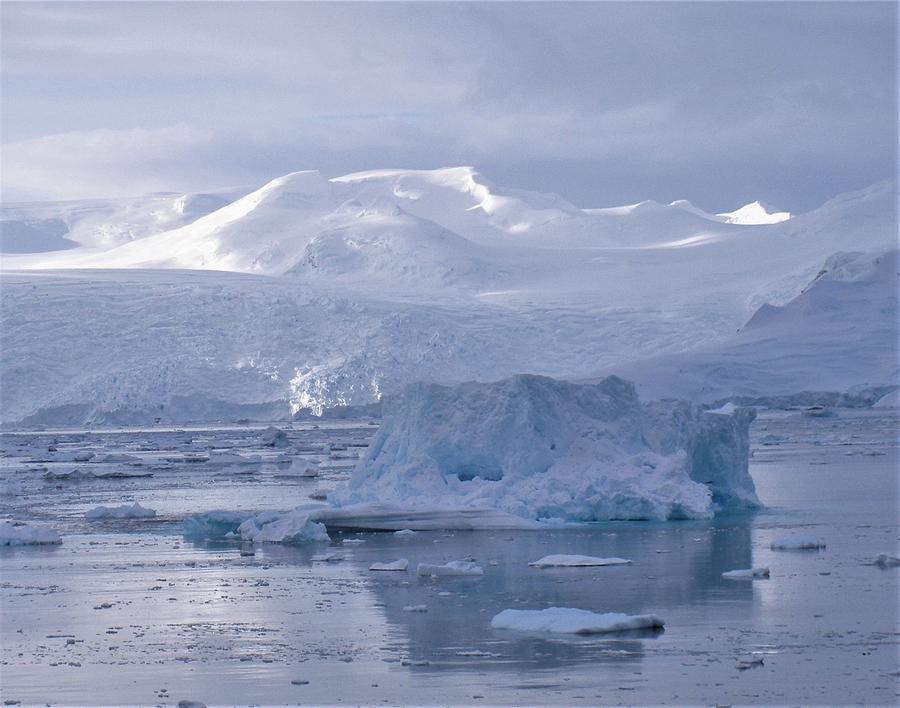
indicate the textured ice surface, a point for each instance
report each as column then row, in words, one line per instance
column 542, row 449
column 567, row 620
column 291, row 527
column 574, row 561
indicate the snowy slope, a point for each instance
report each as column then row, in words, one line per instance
column 755, row 213
column 343, row 289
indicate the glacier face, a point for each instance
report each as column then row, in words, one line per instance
column 543, row 449
column 310, row 293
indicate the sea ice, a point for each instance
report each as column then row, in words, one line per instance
column 13, row 533
column 746, row 574
column 569, row 620
column 126, row 511
column 571, row 561
column 450, row 569
column 799, row 543
column 402, row 564
column 538, row 448
column 291, row 527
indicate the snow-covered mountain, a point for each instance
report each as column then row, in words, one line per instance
column 311, row 292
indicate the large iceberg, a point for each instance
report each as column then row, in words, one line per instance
column 541, row 449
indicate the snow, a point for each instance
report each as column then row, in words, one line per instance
column 746, row 574
column 310, row 294
column 400, row 565
column 450, row 569
column 567, row 620
column 755, row 213
column 575, row 561
column 542, row 449
column 798, row 543
column 21, row 534
column 125, row 511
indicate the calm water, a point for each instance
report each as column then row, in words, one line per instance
column 156, row 618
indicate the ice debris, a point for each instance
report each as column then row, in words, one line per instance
column 569, row 620
column 569, row 561
column 291, row 527
column 14, row 533
column 539, row 448
column 273, row 437
column 125, row 511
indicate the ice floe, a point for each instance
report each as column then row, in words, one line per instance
column 568, row 620
column 799, row 543
column 400, row 565
column 573, row 561
column 746, row 574
column 13, row 533
column 453, row 568
column 125, row 511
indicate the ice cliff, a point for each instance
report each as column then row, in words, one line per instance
column 545, row 449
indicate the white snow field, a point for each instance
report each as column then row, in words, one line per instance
column 568, row 620
column 312, row 293
column 545, row 450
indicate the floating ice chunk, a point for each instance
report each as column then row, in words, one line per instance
column 215, row 524
column 118, row 457
column 886, row 560
column 328, row 557
column 746, row 574
column 290, row 527
column 749, row 662
column 538, row 449
column 73, row 475
column 273, row 437
column 126, row 511
column 304, row 468
column 402, row 564
column 405, row 532
column 13, row 533
column 416, row 608
column 83, row 456
column 728, row 409
column 568, row 561
column 797, row 544
column 450, row 569
column 353, row 541
column 569, row 620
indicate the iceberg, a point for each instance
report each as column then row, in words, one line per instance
column 568, row 620
column 538, row 448
column 291, row 527
column 14, row 533
column 400, row 565
column 453, row 568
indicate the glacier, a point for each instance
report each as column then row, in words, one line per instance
column 547, row 450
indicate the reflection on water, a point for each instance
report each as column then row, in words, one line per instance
column 207, row 623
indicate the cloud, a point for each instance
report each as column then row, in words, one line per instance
column 601, row 102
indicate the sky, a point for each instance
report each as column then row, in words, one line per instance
column 603, row 103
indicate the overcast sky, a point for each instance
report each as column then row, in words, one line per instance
column 604, row 103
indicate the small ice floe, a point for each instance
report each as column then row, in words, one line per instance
column 568, row 620
column 118, row 458
column 353, row 541
column 288, row 527
column 453, row 568
column 750, row 661
column 82, row 456
column 328, row 558
column 800, row 543
column 727, row 409
column 125, row 511
column 14, row 533
column 884, row 560
column 571, row 561
column 304, row 468
column 71, row 475
column 416, row 608
column 478, row 653
column 273, row 437
column 401, row 565
column 746, row 574
column 404, row 533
